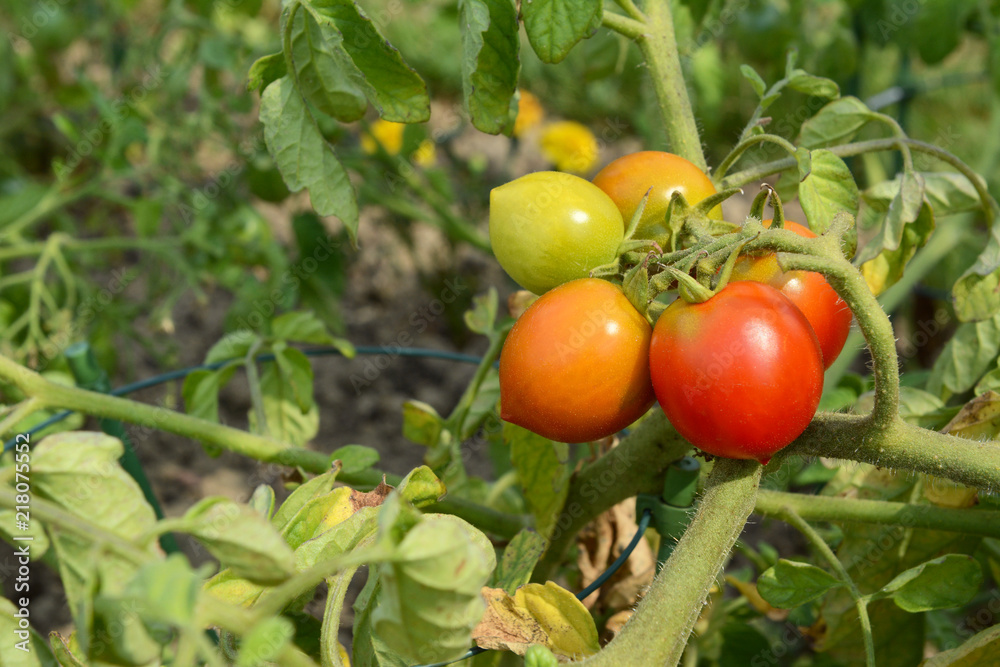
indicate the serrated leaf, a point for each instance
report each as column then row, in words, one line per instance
column 266, row 70
column 826, row 190
column 811, row 84
column 490, row 62
column 421, row 423
column 355, row 458
column 391, row 85
column 304, row 157
column 790, row 584
column 201, row 392
column 555, row 26
column 302, row 326
column 836, row 123
column 545, row 614
column 756, row 82
column 542, row 471
column 949, row 581
column 968, row 355
column 903, row 210
column 483, row 314
column 241, row 539
column 324, row 73
column 518, row 561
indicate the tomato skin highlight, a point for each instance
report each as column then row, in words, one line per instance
column 740, row 375
column 575, row 366
column 547, row 228
column 827, row 313
column 627, row 179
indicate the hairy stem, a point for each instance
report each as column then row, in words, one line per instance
column 663, row 621
column 931, row 517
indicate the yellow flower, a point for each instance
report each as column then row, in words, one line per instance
column 385, row 132
column 570, row 146
column 390, row 135
column 529, row 113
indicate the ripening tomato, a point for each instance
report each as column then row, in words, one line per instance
column 826, row 311
column 740, row 375
column 575, row 366
column 627, row 179
column 548, row 228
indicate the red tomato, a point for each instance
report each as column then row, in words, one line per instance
column 740, row 375
column 575, row 367
column 826, row 311
column 627, row 179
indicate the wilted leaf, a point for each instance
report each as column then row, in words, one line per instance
column 519, row 559
column 599, row 545
column 537, row 614
column 980, row 649
column 979, row 419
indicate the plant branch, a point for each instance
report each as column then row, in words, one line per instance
column 985, row 523
column 788, row 515
column 636, row 465
column 623, row 25
column 663, row 621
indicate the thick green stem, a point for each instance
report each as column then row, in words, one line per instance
column 985, row 523
column 659, row 630
column 232, row 439
column 636, row 465
column 659, row 48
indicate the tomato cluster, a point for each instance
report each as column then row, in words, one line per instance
column 739, row 374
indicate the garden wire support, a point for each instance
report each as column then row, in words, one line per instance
column 671, row 511
column 647, row 516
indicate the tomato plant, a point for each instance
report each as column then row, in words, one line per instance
column 548, row 228
column 739, row 375
column 827, row 313
column 575, row 365
column 627, row 179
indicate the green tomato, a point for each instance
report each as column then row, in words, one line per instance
column 548, row 228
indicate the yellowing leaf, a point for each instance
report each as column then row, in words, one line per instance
column 979, row 419
column 537, row 614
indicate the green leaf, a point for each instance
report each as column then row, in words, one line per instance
column 241, row 539
column 790, row 584
column 303, row 156
column 982, row 648
column 286, row 390
column 201, row 392
column 949, row 581
column 836, row 123
column 555, row 26
column 324, row 72
column 918, row 407
column 977, row 292
column 302, row 326
column 65, row 650
column 355, row 458
column 810, row 84
column 490, row 63
column 166, row 591
column 265, row 641
column 396, row 90
column 968, row 355
column 939, row 26
column 368, row 649
column 903, row 210
column 233, row 345
column 756, row 82
column 887, row 267
column 421, row 487
column 22, row 647
column 826, row 190
column 314, row 488
column 543, row 472
column 519, row 559
column 265, row 71
column 421, row 423
column 483, row 314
